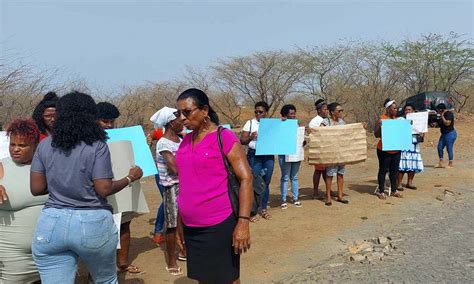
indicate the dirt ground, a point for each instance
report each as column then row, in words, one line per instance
column 297, row 237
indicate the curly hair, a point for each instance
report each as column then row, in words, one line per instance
column 285, row 110
column 107, row 111
column 49, row 100
column 25, row 128
column 76, row 122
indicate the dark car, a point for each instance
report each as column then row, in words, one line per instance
column 428, row 101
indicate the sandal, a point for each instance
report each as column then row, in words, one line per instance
column 175, row 271
column 411, row 186
column 182, row 257
column 397, row 194
column 328, row 203
column 265, row 214
column 132, row 269
column 344, row 201
column 254, row 219
column 381, row 195
column 284, row 206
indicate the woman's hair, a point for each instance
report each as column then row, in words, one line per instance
column 49, row 100
column 441, row 106
column 25, row 128
column 319, row 104
column 107, row 110
column 200, row 100
column 332, row 107
column 285, row 110
column 76, row 122
column 409, row 105
column 262, row 104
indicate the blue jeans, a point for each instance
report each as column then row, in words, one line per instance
column 289, row 171
column 447, row 140
column 63, row 235
column 263, row 166
column 160, row 214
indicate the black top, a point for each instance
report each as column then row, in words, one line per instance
column 448, row 115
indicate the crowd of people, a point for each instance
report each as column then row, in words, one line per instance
column 57, row 212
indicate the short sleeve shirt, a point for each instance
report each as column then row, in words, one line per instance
column 316, row 122
column 70, row 175
column 164, row 144
column 203, row 198
column 251, row 126
column 446, row 129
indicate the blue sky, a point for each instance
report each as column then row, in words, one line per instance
column 115, row 43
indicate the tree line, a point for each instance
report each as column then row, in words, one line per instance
column 357, row 74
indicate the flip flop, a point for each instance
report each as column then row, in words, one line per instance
column 175, row 271
column 397, row 194
column 265, row 214
column 181, row 257
column 411, row 187
column 328, row 203
column 344, row 201
column 132, row 269
column 381, row 195
column 254, row 219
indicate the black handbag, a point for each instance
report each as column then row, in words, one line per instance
column 233, row 184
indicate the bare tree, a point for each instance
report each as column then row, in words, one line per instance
column 263, row 76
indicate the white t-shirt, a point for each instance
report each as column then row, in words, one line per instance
column 251, row 126
column 316, row 122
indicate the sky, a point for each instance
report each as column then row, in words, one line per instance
column 116, row 43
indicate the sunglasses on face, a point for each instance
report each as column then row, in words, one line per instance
column 341, row 110
column 259, row 112
column 187, row 113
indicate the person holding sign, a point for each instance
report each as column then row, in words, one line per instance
column 289, row 170
column 19, row 210
column 335, row 114
column 73, row 165
column 448, row 135
column 319, row 170
column 107, row 113
column 263, row 164
column 388, row 160
column 410, row 160
column 214, row 237
column 44, row 114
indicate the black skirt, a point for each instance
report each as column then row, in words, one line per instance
column 210, row 255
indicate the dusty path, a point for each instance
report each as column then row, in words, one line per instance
column 298, row 238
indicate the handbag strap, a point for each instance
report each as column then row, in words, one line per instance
column 221, row 148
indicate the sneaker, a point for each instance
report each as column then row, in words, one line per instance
column 297, row 203
column 284, row 206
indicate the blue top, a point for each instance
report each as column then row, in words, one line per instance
column 70, row 175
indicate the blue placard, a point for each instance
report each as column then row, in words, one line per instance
column 396, row 134
column 276, row 137
column 141, row 151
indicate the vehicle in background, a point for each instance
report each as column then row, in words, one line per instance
column 427, row 101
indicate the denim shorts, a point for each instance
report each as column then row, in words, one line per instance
column 333, row 170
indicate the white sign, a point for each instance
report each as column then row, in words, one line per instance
column 299, row 156
column 4, row 144
column 420, row 121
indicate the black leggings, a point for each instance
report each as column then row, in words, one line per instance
column 388, row 162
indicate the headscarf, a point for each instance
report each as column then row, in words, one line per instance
column 162, row 117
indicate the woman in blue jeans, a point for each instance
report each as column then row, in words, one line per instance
column 448, row 135
column 289, row 170
column 73, row 165
column 261, row 164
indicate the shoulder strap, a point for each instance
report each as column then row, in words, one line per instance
column 221, row 148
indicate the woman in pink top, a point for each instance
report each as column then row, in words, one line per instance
column 213, row 237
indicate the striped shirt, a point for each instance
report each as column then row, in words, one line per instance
column 164, row 144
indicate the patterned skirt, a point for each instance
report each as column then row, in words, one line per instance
column 410, row 161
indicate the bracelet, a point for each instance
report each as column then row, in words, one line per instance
column 129, row 180
column 244, row 217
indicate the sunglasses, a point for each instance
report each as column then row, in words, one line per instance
column 259, row 112
column 341, row 110
column 186, row 113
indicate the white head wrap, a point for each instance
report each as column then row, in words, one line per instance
column 163, row 116
column 389, row 103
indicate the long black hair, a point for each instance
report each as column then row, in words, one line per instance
column 76, row 122
column 49, row 100
column 200, row 100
